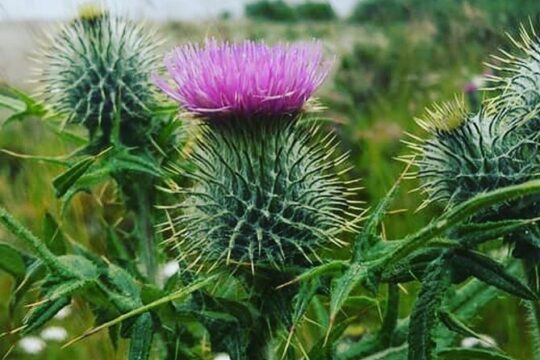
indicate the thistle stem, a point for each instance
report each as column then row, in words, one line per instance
column 457, row 215
column 145, row 233
column 33, row 242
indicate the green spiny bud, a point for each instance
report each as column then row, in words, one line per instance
column 519, row 83
column 96, row 70
column 266, row 192
column 485, row 152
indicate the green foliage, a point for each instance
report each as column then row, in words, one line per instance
column 282, row 11
column 424, row 317
column 11, row 261
column 274, row 10
column 316, row 11
column 498, row 12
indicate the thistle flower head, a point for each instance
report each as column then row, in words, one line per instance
column 243, row 80
column 96, row 69
column 265, row 191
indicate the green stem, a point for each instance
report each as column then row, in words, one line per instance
column 391, row 316
column 457, row 215
column 145, row 232
column 33, row 242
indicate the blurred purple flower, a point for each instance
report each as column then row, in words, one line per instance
column 221, row 80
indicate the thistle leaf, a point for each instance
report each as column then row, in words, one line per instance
column 424, row 316
column 53, row 235
column 473, row 234
column 175, row 296
column 343, row 286
column 412, row 267
column 454, row 324
column 11, row 261
column 42, row 313
column 490, row 272
column 324, row 348
column 124, row 161
column 20, row 104
column 63, row 182
column 141, row 338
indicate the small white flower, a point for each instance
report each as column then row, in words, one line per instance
column 222, row 356
column 169, row 269
column 31, row 344
column 483, row 341
column 63, row 313
column 54, row 333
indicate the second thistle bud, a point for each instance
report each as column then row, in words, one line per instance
column 96, row 71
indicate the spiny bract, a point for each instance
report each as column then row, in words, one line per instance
column 265, row 192
column 266, row 186
column 96, row 69
column 476, row 156
column 497, row 147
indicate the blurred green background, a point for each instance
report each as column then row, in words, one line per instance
column 392, row 58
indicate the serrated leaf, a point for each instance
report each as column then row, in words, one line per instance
column 471, row 354
column 124, row 161
column 94, row 176
column 473, row 234
column 301, row 301
column 491, row 272
column 80, row 266
column 53, row 235
column 317, row 271
column 63, row 182
column 424, row 315
column 367, row 237
column 141, row 338
column 456, row 325
column 343, row 286
column 64, row 289
column 20, row 104
column 124, row 282
column 11, row 261
column 42, row 313
column 412, row 267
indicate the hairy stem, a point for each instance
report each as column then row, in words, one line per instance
column 457, row 215
column 33, row 242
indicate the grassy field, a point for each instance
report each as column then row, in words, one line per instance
column 383, row 77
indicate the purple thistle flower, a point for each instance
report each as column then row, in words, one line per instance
column 222, row 80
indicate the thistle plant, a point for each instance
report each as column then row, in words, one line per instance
column 267, row 189
column 255, row 208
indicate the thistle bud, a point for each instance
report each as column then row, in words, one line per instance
column 96, row 70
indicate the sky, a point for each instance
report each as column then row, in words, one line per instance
column 14, row 10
